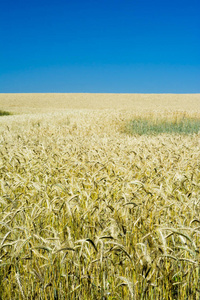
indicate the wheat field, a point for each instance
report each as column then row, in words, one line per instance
column 37, row 103
column 89, row 211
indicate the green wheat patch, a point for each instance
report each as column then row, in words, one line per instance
column 153, row 127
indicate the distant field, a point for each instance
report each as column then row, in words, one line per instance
column 91, row 210
column 33, row 103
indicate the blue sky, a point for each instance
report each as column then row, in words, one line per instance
column 100, row 46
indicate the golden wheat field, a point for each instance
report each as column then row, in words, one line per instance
column 89, row 211
column 34, row 103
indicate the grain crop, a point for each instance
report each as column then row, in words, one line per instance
column 89, row 211
column 140, row 103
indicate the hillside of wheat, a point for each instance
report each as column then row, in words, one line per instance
column 91, row 211
column 34, row 103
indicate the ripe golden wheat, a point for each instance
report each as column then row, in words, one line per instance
column 88, row 211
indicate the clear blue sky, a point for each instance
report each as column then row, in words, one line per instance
column 95, row 46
